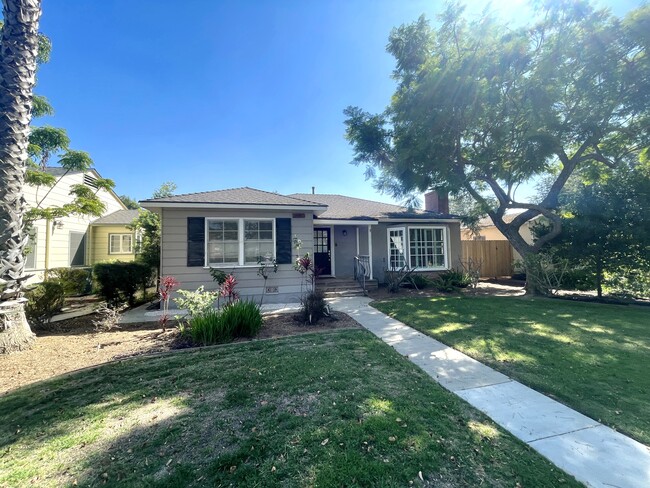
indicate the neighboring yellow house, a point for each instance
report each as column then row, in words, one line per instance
column 111, row 239
column 487, row 231
column 64, row 242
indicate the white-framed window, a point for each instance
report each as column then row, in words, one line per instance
column 120, row 243
column 427, row 248
column 239, row 242
column 422, row 247
column 396, row 248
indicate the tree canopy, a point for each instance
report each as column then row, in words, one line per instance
column 482, row 107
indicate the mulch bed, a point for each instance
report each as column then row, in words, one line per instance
column 74, row 344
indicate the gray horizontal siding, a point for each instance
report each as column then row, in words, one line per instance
column 250, row 285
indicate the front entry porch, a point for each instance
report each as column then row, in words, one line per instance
column 343, row 256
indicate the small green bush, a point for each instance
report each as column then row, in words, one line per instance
column 578, row 279
column 43, row 302
column 452, row 280
column 418, row 281
column 118, row 281
column 313, row 307
column 196, row 302
column 243, row 317
column 75, row 281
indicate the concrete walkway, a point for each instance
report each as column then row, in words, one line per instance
column 594, row 454
column 141, row 314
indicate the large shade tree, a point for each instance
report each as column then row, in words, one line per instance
column 482, row 107
column 18, row 55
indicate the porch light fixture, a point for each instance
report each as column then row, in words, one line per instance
column 58, row 224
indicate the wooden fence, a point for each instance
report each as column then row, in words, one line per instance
column 495, row 257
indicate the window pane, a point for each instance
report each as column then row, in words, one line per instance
column 266, row 234
column 426, row 248
column 231, row 252
column 223, row 241
column 231, row 235
column 126, row 243
column 266, row 225
column 114, row 243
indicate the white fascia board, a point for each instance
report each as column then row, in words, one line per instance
column 344, row 222
column 421, row 221
column 232, row 206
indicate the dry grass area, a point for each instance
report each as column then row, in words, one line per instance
column 75, row 344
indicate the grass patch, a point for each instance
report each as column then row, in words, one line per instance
column 331, row 409
column 593, row 357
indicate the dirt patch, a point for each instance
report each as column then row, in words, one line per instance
column 74, row 344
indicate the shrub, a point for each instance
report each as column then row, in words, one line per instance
column 75, row 281
column 313, row 307
column 118, row 281
column 452, row 280
column 418, row 281
column 578, row 279
column 243, row 317
column 108, row 317
column 214, row 326
column 207, row 328
column 196, row 302
column 43, row 301
column 395, row 278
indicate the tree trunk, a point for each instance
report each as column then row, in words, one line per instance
column 599, row 277
column 18, row 51
column 525, row 251
column 15, row 334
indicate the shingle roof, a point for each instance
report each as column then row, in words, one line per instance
column 236, row 196
column 119, row 217
column 340, row 207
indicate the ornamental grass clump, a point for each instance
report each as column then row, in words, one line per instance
column 207, row 325
column 243, row 317
column 207, row 328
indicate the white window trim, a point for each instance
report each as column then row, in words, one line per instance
column 240, row 237
column 121, row 242
column 407, row 245
column 404, row 243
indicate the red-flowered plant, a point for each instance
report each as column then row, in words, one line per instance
column 228, row 289
column 167, row 285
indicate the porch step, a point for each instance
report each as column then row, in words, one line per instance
column 343, row 286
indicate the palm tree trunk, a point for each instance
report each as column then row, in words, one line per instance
column 18, row 51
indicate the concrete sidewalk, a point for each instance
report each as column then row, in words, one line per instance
column 594, row 454
column 141, row 314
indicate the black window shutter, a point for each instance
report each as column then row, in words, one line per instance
column 283, row 241
column 196, row 241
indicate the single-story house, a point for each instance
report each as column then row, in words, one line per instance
column 487, row 231
column 236, row 228
column 75, row 240
column 110, row 237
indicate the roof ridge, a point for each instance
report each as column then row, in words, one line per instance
column 354, row 198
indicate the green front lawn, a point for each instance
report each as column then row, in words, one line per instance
column 326, row 410
column 592, row 357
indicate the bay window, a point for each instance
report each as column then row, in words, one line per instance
column 422, row 247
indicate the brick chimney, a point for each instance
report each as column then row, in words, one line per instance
column 436, row 202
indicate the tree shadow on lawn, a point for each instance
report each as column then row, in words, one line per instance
column 589, row 356
column 326, row 410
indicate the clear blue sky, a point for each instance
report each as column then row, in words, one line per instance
column 219, row 94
